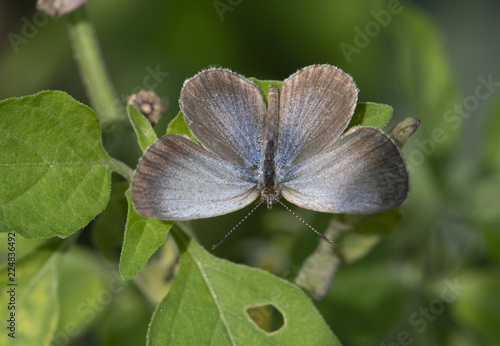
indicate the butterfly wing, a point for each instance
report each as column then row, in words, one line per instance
column 224, row 111
column 178, row 180
column 362, row 173
column 316, row 104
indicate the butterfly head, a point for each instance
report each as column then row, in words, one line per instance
column 269, row 195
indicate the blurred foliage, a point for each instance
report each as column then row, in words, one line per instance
column 425, row 62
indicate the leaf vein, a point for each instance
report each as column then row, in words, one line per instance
column 219, row 307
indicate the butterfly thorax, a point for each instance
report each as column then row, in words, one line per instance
column 268, row 185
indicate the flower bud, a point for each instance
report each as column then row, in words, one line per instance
column 149, row 104
column 403, row 130
column 56, row 8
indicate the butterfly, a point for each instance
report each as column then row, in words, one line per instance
column 292, row 147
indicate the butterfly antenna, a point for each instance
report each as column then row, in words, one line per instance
column 239, row 223
column 305, row 223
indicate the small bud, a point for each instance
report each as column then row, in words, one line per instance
column 149, row 104
column 56, row 8
column 403, row 130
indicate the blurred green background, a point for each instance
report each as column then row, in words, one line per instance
column 435, row 280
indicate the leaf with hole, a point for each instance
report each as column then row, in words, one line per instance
column 213, row 301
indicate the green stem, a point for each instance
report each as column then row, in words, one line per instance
column 92, row 68
column 121, row 168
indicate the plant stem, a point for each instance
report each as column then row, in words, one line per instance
column 122, row 169
column 92, row 68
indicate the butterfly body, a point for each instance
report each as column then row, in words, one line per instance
column 268, row 184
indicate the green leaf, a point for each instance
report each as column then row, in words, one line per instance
column 143, row 237
column 36, row 302
column 178, row 127
column 264, row 86
column 54, row 173
column 142, row 127
column 371, row 114
column 222, row 292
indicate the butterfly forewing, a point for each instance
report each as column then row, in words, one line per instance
column 224, row 111
column 316, row 105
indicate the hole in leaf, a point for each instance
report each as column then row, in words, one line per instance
column 266, row 317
